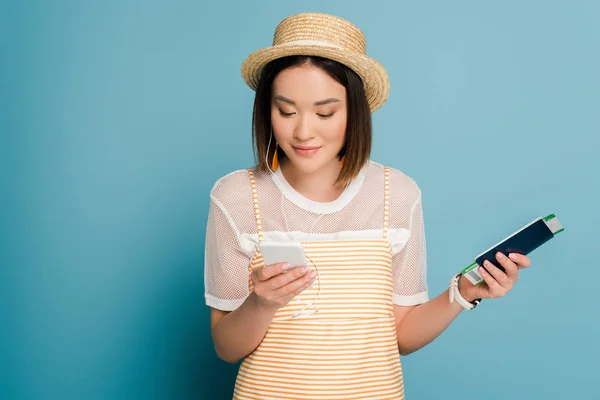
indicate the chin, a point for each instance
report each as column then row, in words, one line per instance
column 308, row 166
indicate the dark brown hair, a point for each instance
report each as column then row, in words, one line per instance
column 357, row 146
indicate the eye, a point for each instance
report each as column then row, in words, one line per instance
column 325, row 116
column 284, row 114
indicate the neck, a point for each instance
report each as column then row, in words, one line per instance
column 317, row 186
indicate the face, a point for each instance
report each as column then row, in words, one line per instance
column 308, row 114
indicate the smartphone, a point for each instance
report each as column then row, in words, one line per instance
column 274, row 252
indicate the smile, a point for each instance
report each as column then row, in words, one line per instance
column 306, row 151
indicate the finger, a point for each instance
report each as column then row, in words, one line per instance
column 495, row 289
column 497, row 273
column 266, row 273
column 521, row 260
column 284, row 279
column 307, row 282
column 296, row 286
column 510, row 268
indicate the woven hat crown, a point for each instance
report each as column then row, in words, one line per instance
column 327, row 36
column 323, row 29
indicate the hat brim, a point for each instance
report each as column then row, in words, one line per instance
column 372, row 73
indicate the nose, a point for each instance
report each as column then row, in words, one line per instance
column 303, row 130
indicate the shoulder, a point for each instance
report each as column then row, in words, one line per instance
column 235, row 188
column 233, row 192
column 401, row 185
column 229, row 184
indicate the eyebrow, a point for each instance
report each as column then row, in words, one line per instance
column 317, row 103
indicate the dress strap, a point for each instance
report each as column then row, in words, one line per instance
column 256, row 206
column 386, row 201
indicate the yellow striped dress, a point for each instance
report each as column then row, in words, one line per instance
column 346, row 350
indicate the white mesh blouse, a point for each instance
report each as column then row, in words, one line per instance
column 232, row 237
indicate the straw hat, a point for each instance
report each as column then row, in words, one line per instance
column 328, row 36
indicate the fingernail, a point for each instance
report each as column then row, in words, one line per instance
column 312, row 274
column 304, row 269
column 513, row 256
column 286, row 266
column 482, row 270
column 487, row 263
column 500, row 256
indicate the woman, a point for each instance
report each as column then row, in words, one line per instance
column 335, row 328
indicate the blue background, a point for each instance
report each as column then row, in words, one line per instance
column 117, row 117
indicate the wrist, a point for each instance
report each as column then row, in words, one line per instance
column 464, row 287
column 462, row 297
column 260, row 306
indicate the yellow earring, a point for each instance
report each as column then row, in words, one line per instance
column 275, row 162
column 342, row 161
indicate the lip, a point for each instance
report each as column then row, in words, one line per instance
column 306, row 150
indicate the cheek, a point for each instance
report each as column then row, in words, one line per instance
column 337, row 131
column 282, row 127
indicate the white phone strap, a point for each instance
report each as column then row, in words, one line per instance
column 303, row 312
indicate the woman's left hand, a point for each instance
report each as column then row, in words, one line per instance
column 497, row 282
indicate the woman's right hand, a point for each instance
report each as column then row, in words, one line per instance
column 275, row 285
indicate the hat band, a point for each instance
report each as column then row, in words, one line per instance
column 308, row 42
